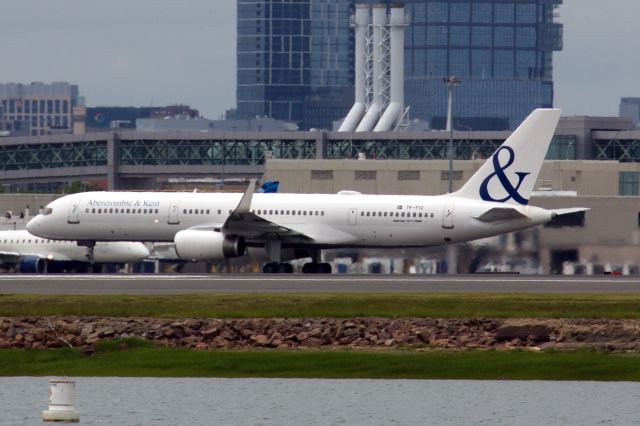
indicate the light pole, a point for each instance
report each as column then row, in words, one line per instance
column 451, row 82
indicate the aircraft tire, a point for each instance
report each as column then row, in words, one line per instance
column 284, row 268
column 324, row 268
column 270, row 268
column 310, row 268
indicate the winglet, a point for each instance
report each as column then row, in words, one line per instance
column 244, row 206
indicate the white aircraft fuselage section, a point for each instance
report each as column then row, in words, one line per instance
column 329, row 219
column 22, row 243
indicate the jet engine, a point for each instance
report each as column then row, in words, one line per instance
column 198, row 245
column 32, row 264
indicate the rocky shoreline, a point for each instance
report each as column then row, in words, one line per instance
column 289, row 333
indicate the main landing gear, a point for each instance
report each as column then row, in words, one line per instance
column 277, row 268
column 286, row 268
column 316, row 268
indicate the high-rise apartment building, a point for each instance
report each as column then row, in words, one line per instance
column 38, row 108
column 501, row 50
column 295, row 58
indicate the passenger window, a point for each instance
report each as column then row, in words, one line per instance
column 86, row 210
column 207, row 211
column 288, row 211
column 99, row 210
column 190, row 211
column 93, row 210
column 322, row 213
column 139, row 210
column 431, row 214
column 293, row 212
column 184, row 211
column 361, row 213
column 368, row 213
column 402, row 214
column 196, row 211
column 270, row 211
column 127, row 210
column 281, row 211
column 111, row 210
column 157, row 211
column 414, row 214
column 397, row 214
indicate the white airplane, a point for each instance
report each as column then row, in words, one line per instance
column 21, row 251
column 280, row 227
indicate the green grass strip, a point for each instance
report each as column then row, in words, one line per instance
column 144, row 360
column 441, row 305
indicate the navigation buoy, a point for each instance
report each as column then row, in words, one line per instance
column 61, row 396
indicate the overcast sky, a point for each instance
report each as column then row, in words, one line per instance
column 158, row 52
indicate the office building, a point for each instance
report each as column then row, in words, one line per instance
column 502, row 51
column 102, row 118
column 289, row 52
column 630, row 108
column 38, row 108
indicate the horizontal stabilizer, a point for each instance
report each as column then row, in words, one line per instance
column 497, row 214
column 562, row 212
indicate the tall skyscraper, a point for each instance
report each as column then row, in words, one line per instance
column 501, row 50
column 295, row 59
column 289, row 50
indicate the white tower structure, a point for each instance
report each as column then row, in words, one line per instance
column 361, row 27
column 371, row 117
column 394, row 113
column 379, row 70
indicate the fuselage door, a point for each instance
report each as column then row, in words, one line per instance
column 447, row 218
column 74, row 211
column 353, row 216
column 174, row 208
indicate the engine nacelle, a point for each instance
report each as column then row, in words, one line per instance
column 32, row 264
column 198, row 245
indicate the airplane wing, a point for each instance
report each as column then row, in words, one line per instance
column 497, row 214
column 244, row 223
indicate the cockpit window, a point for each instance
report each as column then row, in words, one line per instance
column 47, row 211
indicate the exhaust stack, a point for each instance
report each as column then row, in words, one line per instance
column 395, row 111
column 361, row 26
column 379, row 15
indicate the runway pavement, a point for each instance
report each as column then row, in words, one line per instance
column 257, row 283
